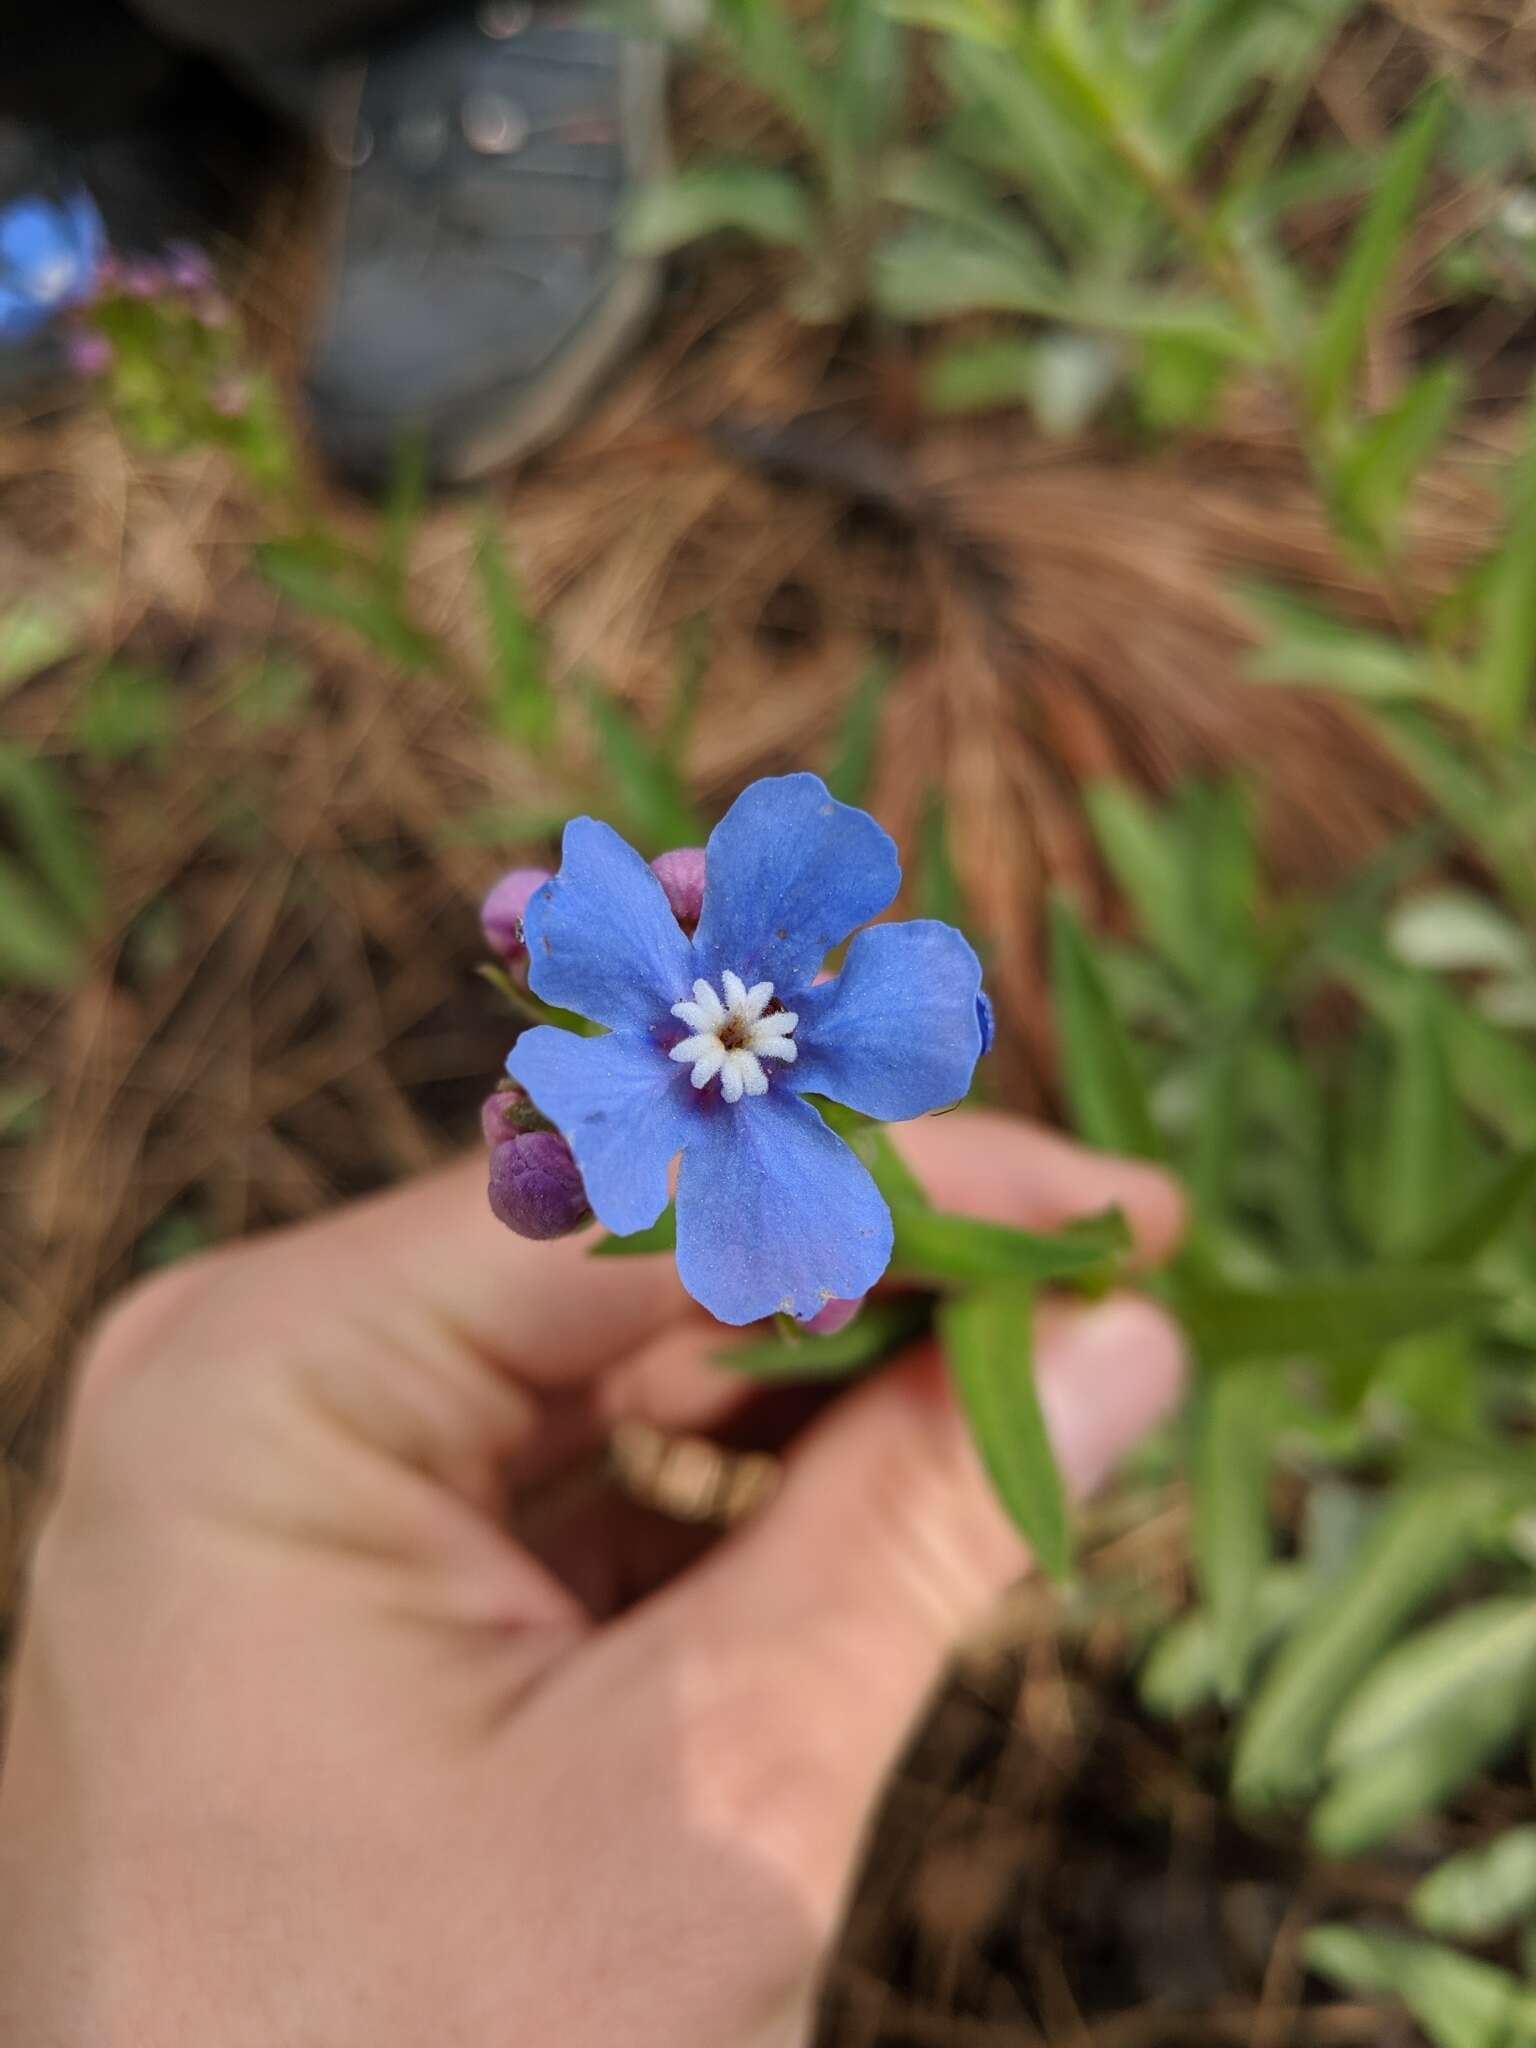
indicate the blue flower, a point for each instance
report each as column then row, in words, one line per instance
column 712, row 1043
column 50, row 257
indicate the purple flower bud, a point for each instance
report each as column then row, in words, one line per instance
column 536, row 1186
column 140, row 280
column 987, row 1019
column 837, row 1315
column 681, row 874
column 501, row 914
column 90, row 354
column 508, row 1112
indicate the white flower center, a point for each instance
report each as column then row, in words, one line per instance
column 734, row 1037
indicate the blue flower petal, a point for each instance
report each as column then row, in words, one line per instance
column 20, row 318
column 775, row 1213
column 620, row 1104
column 898, row 1033
column 986, row 1019
column 32, row 232
column 88, row 228
column 789, row 873
column 43, row 254
column 601, row 936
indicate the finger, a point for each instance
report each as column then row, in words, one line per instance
column 828, row 1620
column 985, row 1164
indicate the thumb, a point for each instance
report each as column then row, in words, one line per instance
column 836, row 1610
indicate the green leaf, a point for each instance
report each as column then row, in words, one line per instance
column 937, row 890
column 647, row 789
column 1482, row 1893
column 1506, row 662
column 39, row 944
column 1180, row 382
column 1457, row 931
column 48, row 831
column 769, row 205
column 1443, row 1671
column 1370, row 483
column 307, row 575
column 1336, row 1317
column 1424, row 1538
column 1310, row 648
column 34, row 635
column 851, row 770
column 944, row 1250
column 1181, row 1674
column 1099, row 1071
column 987, row 1342
column 1423, row 1146
column 1501, row 1201
column 879, row 1328
column 522, row 703
column 1144, row 856
column 980, row 376
column 1373, row 254
column 1232, row 1541
column 126, row 711
column 1459, row 2001
column 660, row 1237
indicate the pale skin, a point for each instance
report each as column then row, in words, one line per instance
column 306, row 1748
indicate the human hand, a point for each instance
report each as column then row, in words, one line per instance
column 308, row 1748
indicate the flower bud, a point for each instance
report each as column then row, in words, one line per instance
column 187, row 267
column 501, row 914
column 681, row 874
column 536, row 1187
column 508, row 1112
column 837, row 1315
column 89, row 353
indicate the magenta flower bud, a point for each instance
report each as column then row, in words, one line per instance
column 681, row 874
column 90, row 354
column 501, row 914
column 536, row 1187
column 837, row 1315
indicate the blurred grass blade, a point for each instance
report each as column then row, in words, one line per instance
column 1301, row 644
column 1373, row 253
column 1371, row 482
column 39, row 946
column 522, row 703
column 851, row 769
column 1423, row 1145
column 988, row 1342
column 1337, row 1317
column 1459, row 2001
column 879, row 1328
column 944, row 1250
column 769, row 205
column 306, row 575
column 1502, row 1200
column 1442, row 1671
column 1099, row 1070
column 1234, row 1447
column 1506, row 662
column 1390, row 1789
column 402, row 514
column 1483, row 1893
column 46, row 828
column 1142, row 852
column 34, row 636
column 647, row 788
column 937, row 890
column 1424, row 1538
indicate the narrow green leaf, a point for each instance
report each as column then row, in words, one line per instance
column 1099, row 1071
column 1506, row 663
column 1482, row 1893
column 39, row 946
column 1181, row 1674
column 647, row 789
column 1374, row 252
column 1459, row 2001
column 660, row 1237
column 35, row 634
column 1424, row 1538
column 1371, row 482
column 47, row 828
column 945, row 1250
column 1232, row 1539
column 937, row 890
column 1333, row 1318
column 851, row 769
column 403, row 507
column 1424, row 1138
column 769, row 205
column 879, row 1328
column 300, row 571
column 987, row 1342
column 522, row 703
column 1310, row 648
column 1500, row 1202
column 1143, row 854
column 1438, row 1672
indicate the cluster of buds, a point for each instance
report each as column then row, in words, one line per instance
column 535, row 1184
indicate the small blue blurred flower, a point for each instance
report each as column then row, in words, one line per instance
column 713, row 1041
column 51, row 253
